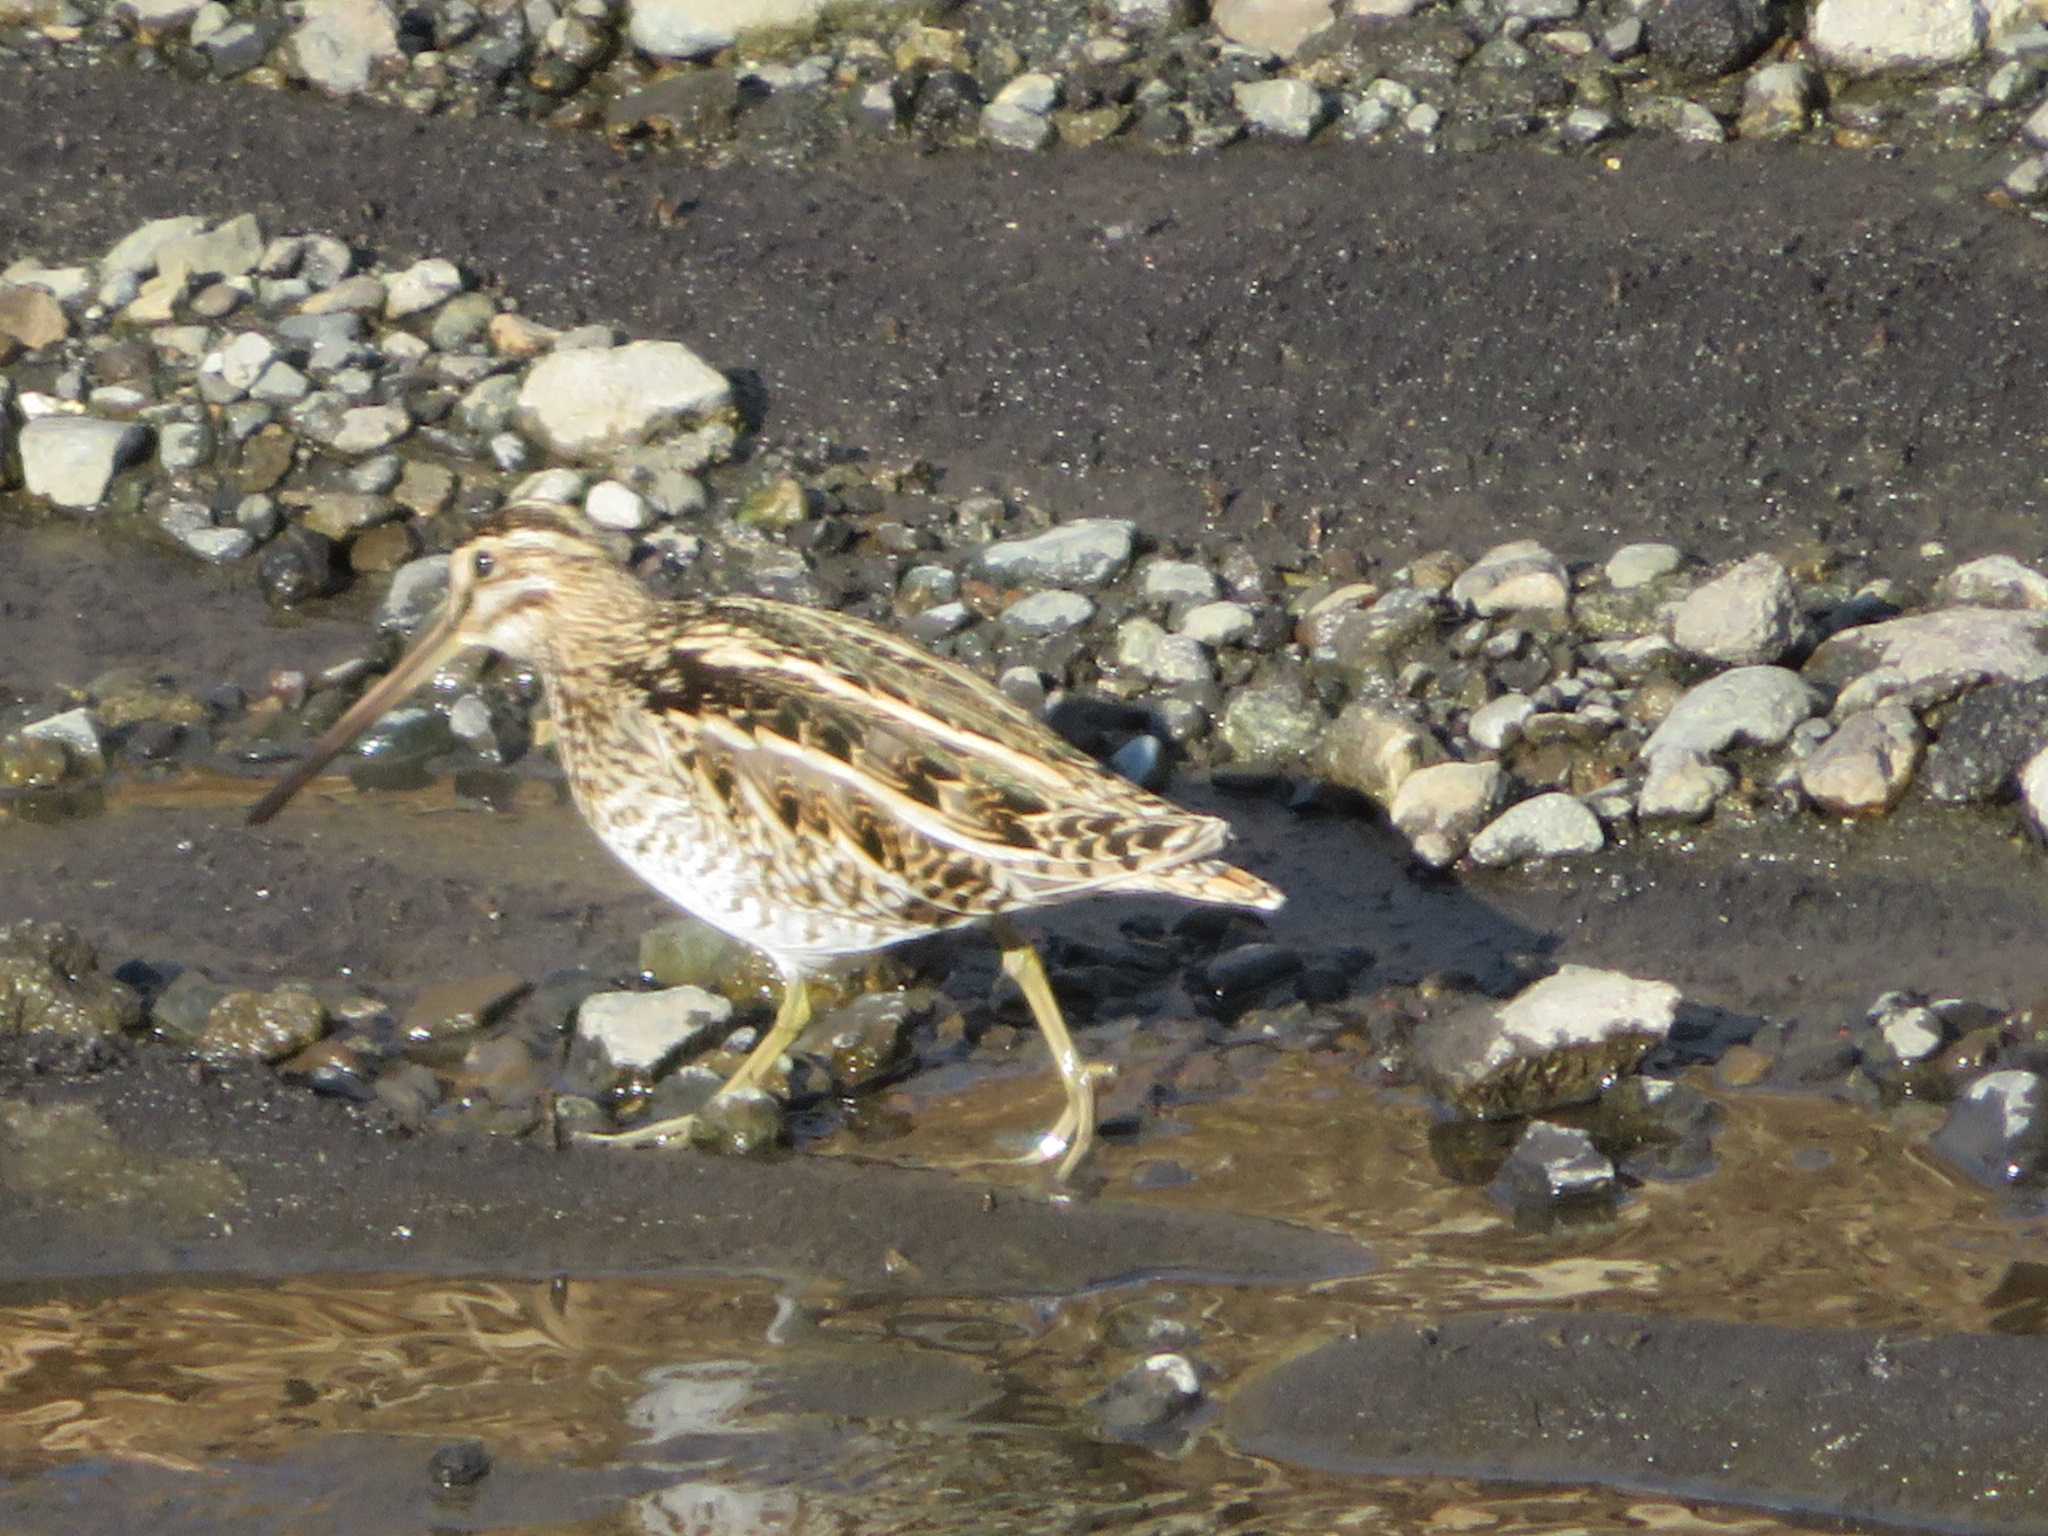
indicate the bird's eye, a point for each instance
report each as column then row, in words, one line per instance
column 483, row 563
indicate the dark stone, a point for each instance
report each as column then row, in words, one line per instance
column 459, row 1465
column 1554, row 1175
column 1985, row 738
column 1710, row 37
column 1148, row 1400
column 297, row 565
column 1997, row 1132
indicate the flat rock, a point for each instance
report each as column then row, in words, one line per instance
column 1748, row 706
column 1930, row 657
column 1548, row 826
column 691, row 29
column 1874, row 37
column 1557, row 1042
column 1277, row 27
column 71, row 460
column 1084, row 553
column 646, row 1032
column 581, row 403
column 1512, row 578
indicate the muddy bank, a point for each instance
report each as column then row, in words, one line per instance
column 1719, row 349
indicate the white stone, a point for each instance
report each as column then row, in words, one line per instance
column 611, row 504
column 1496, row 724
column 1517, row 577
column 1176, row 581
column 227, row 250
column 1439, row 808
column 1581, row 1006
column 581, row 403
column 1546, row 827
column 1929, row 658
column 1374, row 751
column 1013, row 127
column 77, row 731
column 1084, row 553
column 1869, row 37
column 339, row 43
column 1744, row 617
column 1290, row 110
column 421, row 286
column 1865, row 766
column 1271, row 26
column 690, row 29
column 646, row 1031
column 1047, row 613
column 1748, row 706
column 370, row 428
column 134, row 254
column 71, row 460
column 1637, row 565
column 1032, row 92
column 1223, row 623
column 1681, row 786
column 2033, row 784
column 1996, row 581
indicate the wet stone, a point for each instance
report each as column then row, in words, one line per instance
column 1558, row 1042
column 1148, row 1400
column 1554, row 1174
column 743, row 1123
column 1241, row 974
column 339, row 1067
column 1270, row 726
column 688, row 952
column 460, row 1007
column 863, row 1044
column 1665, row 1130
column 1809, row 1053
column 27, row 762
column 1045, row 614
column 50, row 981
column 247, row 1026
column 1997, row 1132
column 408, row 1092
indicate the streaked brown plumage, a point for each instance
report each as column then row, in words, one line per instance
column 805, row 781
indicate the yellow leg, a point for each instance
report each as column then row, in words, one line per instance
column 792, row 1018
column 1074, row 1132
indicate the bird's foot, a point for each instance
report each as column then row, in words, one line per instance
column 656, row 1133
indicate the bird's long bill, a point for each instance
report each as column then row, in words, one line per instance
column 418, row 664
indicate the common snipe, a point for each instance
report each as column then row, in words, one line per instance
column 804, row 781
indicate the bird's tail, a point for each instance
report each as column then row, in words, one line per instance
column 1214, row 880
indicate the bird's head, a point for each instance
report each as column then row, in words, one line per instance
column 530, row 573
